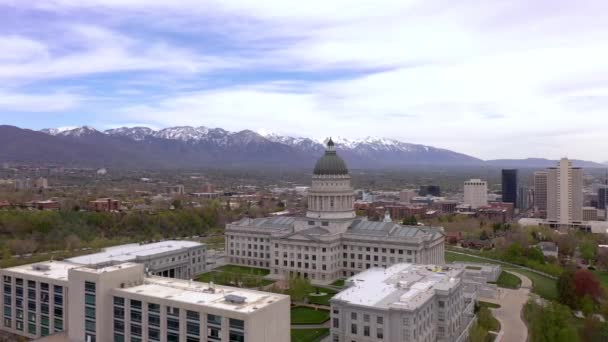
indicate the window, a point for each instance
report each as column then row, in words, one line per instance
column 379, row 333
column 119, row 301
column 89, row 299
column 353, row 316
column 366, row 331
column 119, row 326
column 89, row 287
column 153, row 334
column 154, row 320
column 119, row 312
column 237, row 324
column 353, row 329
column 172, row 337
column 136, row 330
column 58, row 324
column 366, row 318
column 153, row 307
column 336, row 323
column 135, row 304
column 89, row 326
column 214, row 319
column 380, row 320
column 89, row 312
column 31, row 329
column 193, row 315
column 193, row 329
column 236, row 336
column 136, row 316
column 172, row 324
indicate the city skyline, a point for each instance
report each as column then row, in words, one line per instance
column 485, row 78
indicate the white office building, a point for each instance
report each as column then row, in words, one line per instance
column 476, row 193
column 172, row 258
column 331, row 242
column 403, row 303
column 60, row 301
column 565, row 194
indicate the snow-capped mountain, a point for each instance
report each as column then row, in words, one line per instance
column 202, row 145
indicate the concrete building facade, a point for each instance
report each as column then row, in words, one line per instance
column 540, row 193
column 123, row 303
column 330, row 242
column 564, row 193
column 476, row 193
column 171, row 258
column 403, row 303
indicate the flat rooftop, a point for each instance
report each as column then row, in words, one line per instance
column 57, row 270
column 130, row 252
column 401, row 286
column 198, row 293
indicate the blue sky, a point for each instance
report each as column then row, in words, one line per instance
column 494, row 79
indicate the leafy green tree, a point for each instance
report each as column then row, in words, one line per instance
column 550, row 323
column 566, row 290
column 535, row 254
column 410, row 221
column 299, row 288
column 588, row 250
column 587, row 305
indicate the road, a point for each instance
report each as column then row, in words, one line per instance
column 510, row 314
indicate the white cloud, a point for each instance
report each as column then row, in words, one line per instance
column 489, row 78
column 25, row 102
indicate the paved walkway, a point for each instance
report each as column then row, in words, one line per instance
column 510, row 312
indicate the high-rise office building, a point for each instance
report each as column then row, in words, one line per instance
column 602, row 197
column 525, row 197
column 509, row 186
column 476, row 193
column 565, row 193
column 430, row 190
column 540, row 192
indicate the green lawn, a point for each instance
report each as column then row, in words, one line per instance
column 244, row 270
column 508, row 280
column 488, row 305
column 338, row 283
column 308, row 335
column 542, row 286
column 454, row 257
column 304, row 315
column 322, row 300
column 226, row 275
column 602, row 276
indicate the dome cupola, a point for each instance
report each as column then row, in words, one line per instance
column 330, row 163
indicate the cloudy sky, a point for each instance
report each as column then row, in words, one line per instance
column 491, row 78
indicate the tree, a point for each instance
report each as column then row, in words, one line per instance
column 6, row 254
column 534, row 253
column 594, row 330
column 566, row 244
column 514, row 252
column 483, row 235
column 588, row 250
column 299, row 288
column 565, row 289
column 410, row 221
column 587, row 284
column 551, row 323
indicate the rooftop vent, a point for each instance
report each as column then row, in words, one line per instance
column 234, row 299
column 41, row 267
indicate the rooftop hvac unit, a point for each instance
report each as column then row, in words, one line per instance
column 41, row 267
column 234, row 299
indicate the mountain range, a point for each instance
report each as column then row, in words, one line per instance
column 202, row 147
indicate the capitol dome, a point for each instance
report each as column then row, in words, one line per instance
column 330, row 163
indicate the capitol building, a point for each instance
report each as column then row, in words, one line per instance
column 331, row 242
